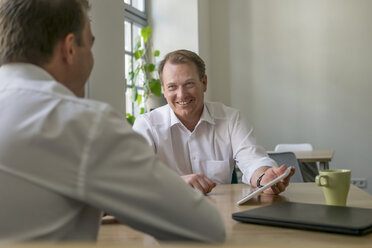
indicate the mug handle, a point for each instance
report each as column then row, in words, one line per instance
column 320, row 182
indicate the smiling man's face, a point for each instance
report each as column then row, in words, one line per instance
column 184, row 90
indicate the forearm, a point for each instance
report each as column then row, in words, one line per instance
column 257, row 173
column 146, row 195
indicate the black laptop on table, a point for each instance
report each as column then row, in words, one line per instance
column 335, row 219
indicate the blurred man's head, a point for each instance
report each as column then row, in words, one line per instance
column 50, row 34
column 30, row 29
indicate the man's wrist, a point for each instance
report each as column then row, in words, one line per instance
column 258, row 183
column 257, row 173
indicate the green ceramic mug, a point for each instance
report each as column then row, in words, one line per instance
column 335, row 185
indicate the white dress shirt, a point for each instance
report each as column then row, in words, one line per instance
column 63, row 159
column 221, row 138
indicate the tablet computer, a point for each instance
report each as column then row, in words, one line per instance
column 266, row 186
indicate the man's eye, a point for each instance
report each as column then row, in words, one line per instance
column 171, row 87
column 189, row 84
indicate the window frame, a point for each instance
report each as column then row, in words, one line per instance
column 139, row 18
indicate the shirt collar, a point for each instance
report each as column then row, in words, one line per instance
column 173, row 118
column 37, row 77
column 206, row 116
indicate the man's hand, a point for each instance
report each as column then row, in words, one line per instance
column 274, row 172
column 270, row 174
column 200, row 182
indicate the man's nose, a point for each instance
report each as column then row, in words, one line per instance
column 181, row 92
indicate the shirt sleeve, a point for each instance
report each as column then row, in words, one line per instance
column 248, row 155
column 124, row 178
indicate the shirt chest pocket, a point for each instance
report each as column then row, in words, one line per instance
column 218, row 171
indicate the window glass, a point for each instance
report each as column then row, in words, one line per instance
column 128, row 65
column 128, row 40
column 128, row 102
column 139, row 4
column 136, row 33
column 141, row 77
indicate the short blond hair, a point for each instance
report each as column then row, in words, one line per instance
column 182, row 57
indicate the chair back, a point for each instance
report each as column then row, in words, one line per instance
column 309, row 169
column 293, row 147
column 288, row 158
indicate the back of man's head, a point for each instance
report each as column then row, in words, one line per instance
column 30, row 29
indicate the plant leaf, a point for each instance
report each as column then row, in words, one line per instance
column 130, row 119
column 155, row 87
column 146, row 32
column 149, row 67
column 139, row 99
column 138, row 43
column 138, row 54
column 156, row 53
column 131, row 76
column 142, row 111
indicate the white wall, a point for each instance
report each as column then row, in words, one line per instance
column 106, row 82
column 175, row 25
column 182, row 25
column 300, row 71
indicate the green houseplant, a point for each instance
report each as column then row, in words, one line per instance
column 143, row 72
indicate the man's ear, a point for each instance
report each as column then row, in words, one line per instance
column 68, row 47
column 204, row 82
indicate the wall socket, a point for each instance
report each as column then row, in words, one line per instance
column 359, row 182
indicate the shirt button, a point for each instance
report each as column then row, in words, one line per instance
column 193, row 158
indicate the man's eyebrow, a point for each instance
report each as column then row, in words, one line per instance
column 190, row 79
